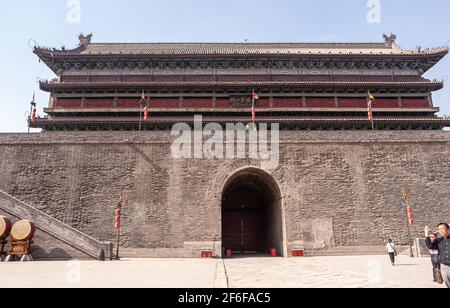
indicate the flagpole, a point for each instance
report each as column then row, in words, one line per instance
column 253, row 105
column 370, row 110
column 140, row 117
column 141, row 104
column 31, row 111
column 371, row 118
column 118, row 225
column 32, row 104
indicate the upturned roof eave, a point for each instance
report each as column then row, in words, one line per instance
column 55, row 55
column 49, row 86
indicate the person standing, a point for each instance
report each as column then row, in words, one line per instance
column 435, row 258
column 392, row 252
column 442, row 244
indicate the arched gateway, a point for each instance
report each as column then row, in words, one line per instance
column 252, row 218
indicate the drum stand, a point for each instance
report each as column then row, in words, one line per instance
column 19, row 248
column 3, row 243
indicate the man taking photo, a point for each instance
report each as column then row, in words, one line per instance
column 442, row 244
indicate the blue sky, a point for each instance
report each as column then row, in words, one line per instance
column 416, row 22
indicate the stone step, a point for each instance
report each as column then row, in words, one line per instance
column 347, row 251
column 68, row 242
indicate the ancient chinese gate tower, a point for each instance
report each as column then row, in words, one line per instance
column 301, row 86
column 336, row 190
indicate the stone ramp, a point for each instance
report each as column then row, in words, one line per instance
column 66, row 242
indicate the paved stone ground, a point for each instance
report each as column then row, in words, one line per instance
column 354, row 272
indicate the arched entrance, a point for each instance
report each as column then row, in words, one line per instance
column 252, row 220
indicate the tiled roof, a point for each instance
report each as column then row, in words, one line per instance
column 73, row 120
column 242, row 49
column 48, row 85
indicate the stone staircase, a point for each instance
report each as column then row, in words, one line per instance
column 347, row 251
column 55, row 238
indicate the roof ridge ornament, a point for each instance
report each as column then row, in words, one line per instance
column 85, row 40
column 390, row 40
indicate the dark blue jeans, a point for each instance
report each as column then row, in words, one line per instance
column 392, row 256
column 435, row 263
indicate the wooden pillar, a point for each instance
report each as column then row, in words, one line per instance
column 82, row 101
column 116, row 99
column 51, row 101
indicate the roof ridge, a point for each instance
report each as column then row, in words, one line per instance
column 379, row 44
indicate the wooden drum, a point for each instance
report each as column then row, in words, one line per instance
column 23, row 230
column 5, row 227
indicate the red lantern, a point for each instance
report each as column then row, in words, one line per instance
column 145, row 113
column 33, row 116
column 410, row 216
column 117, row 220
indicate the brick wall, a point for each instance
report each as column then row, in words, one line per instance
column 351, row 180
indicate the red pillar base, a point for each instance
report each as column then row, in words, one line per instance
column 273, row 252
column 206, row 254
column 298, row 253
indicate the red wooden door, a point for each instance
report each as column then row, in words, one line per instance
column 232, row 231
column 243, row 231
column 252, row 231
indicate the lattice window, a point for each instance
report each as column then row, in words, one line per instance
column 98, row 103
column 67, row 103
column 415, row 103
column 197, row 103
column 128, row 102
column 263, row 103
column 362, row 103
column 222, row 103
column 320, row 102
column 287, row 102
column 164, row 103
column 386, row 103
column 353, row 102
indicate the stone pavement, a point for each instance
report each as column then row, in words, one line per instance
column 329, row 272
column 254, row 272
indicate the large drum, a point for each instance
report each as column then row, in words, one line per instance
column 5, row 227
column 23, row 230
